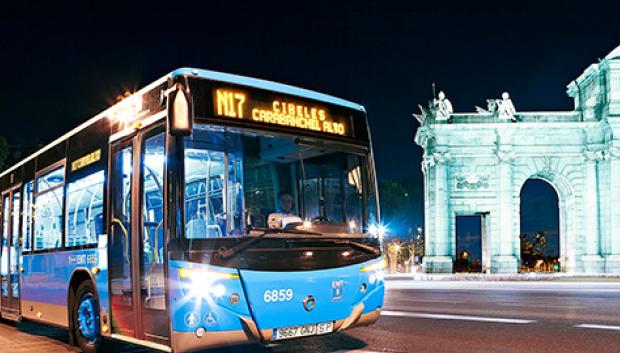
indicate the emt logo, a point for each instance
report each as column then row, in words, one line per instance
column 337, row 290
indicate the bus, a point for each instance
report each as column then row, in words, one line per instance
column 204, row 210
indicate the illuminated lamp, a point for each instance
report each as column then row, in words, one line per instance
column 127, row 110
column 180, row 111
column 200, row 283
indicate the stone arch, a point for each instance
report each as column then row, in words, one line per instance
column 565, row 191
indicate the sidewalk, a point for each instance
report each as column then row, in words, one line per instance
column 558, row 277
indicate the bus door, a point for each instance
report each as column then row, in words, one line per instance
column 136, row 249
column 10, row 254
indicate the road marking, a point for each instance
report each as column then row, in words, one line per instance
column 542, row 306
column 454, row 317
column 478, row 287
column 600, row 327
column 432, row 301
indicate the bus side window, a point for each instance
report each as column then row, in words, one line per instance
column 205, row 187
column 4, row 259
column 27, row 216
column 49, row 201
column 152, row 279
column 84, row 210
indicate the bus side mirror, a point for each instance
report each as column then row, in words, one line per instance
column 180, row 111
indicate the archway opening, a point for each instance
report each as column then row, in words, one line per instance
column 469, row 231
column 540, row 227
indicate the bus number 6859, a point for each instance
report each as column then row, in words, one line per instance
column 278, row 295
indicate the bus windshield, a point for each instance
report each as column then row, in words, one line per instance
column 237, row 180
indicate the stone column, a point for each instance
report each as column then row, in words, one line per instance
column 612, row 260
column 441, row 259
column 485, row 243
column 504, row 260
column 429, row 240
column 592, row 260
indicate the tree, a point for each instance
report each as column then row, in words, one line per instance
column 417, row 248
column 540, row 244
column 394, row 252
column 397, row 208
column 533, row 248
column 4, row 152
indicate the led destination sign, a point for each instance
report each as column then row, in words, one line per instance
column 240, row 104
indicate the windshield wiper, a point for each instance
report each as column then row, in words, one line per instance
column 225, row 253
column 361, row 246
column 283, row 230
column 356, row 244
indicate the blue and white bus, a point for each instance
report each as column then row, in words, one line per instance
column 205, row 210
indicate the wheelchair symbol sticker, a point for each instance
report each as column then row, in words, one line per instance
column 211, row 319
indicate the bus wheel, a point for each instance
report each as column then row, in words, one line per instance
column 86, row 318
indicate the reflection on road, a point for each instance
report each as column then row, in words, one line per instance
column 33, row 337
column 435, row 317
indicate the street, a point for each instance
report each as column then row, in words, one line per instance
column 438, row 317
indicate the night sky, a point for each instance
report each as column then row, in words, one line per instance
column 64, row 64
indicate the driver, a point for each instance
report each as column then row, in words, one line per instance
column 285, row 204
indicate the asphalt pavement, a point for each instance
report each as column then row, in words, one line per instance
column 444, row 316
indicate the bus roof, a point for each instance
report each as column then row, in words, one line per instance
column 267, row 85
column 206, row 74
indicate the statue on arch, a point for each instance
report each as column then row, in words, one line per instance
column 505, row 109
column 421, row 118
column 442, row 107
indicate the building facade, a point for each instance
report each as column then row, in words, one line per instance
column 476, row 164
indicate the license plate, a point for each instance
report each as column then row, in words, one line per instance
column 302, row 331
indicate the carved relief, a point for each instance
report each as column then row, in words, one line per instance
column 434, row 159
column 425, row 137
column 613, row 152
column 472, row 181
column 427, row 162
column 504, row 155
column 547, row 164
column 442, row 157
column 593, row 155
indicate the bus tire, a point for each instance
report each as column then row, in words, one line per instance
column 85, row 318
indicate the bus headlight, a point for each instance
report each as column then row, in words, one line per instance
column 201, row 283
column 377, row 230
column 373, row 229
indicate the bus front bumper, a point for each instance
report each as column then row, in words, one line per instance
column 183, row 342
